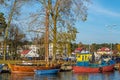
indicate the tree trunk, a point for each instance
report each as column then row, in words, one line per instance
column 8, row 25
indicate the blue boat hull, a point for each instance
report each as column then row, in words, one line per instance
column 50, row 71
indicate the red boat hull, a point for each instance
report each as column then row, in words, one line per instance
column 85, row 69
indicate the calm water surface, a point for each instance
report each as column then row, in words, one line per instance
column 63, row 76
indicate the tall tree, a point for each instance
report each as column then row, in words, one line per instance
column 3, row 24
column 13, row 9
column 64, row 12
column 16, row 36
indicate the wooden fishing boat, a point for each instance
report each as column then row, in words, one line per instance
column 83, row 65
column 53, row 69
column 49, row 71
column 19, row 68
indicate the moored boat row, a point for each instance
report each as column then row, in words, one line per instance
column 55, row 69
column 84, row 64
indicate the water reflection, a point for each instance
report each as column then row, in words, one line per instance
column 81, row 76
column 97, row 76
column 46, row 77
column 4, row 76
column 63, row 76
column 105, row 76
column 22, row 77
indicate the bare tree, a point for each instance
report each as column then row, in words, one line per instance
column 15, row 38
column 61, row 13
column 54, row 13
column 65, row 12
column 13, row 8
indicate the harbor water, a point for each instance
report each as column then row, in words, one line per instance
column 63, row 76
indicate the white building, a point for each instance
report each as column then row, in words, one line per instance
column 32, row 52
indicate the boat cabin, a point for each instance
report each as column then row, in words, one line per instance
column 83, row 59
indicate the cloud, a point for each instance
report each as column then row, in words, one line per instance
column 103, row 11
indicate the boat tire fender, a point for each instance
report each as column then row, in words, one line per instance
column 100, row 69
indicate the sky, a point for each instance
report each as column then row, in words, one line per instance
column 102, row 24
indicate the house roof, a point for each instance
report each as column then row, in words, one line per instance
column 80, row 49
column 104, row 49
column 25, row 51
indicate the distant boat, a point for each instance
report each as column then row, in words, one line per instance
column 1, row 67
column 83, row 65
column 49, row 71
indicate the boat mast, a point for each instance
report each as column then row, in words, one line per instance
column 47, row 34
column 89, row 47
column 111, row 48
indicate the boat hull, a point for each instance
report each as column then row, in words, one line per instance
column 28, row 68
column 87, row 69
column 1, row 67
column 49, row 71
column 119, row 66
